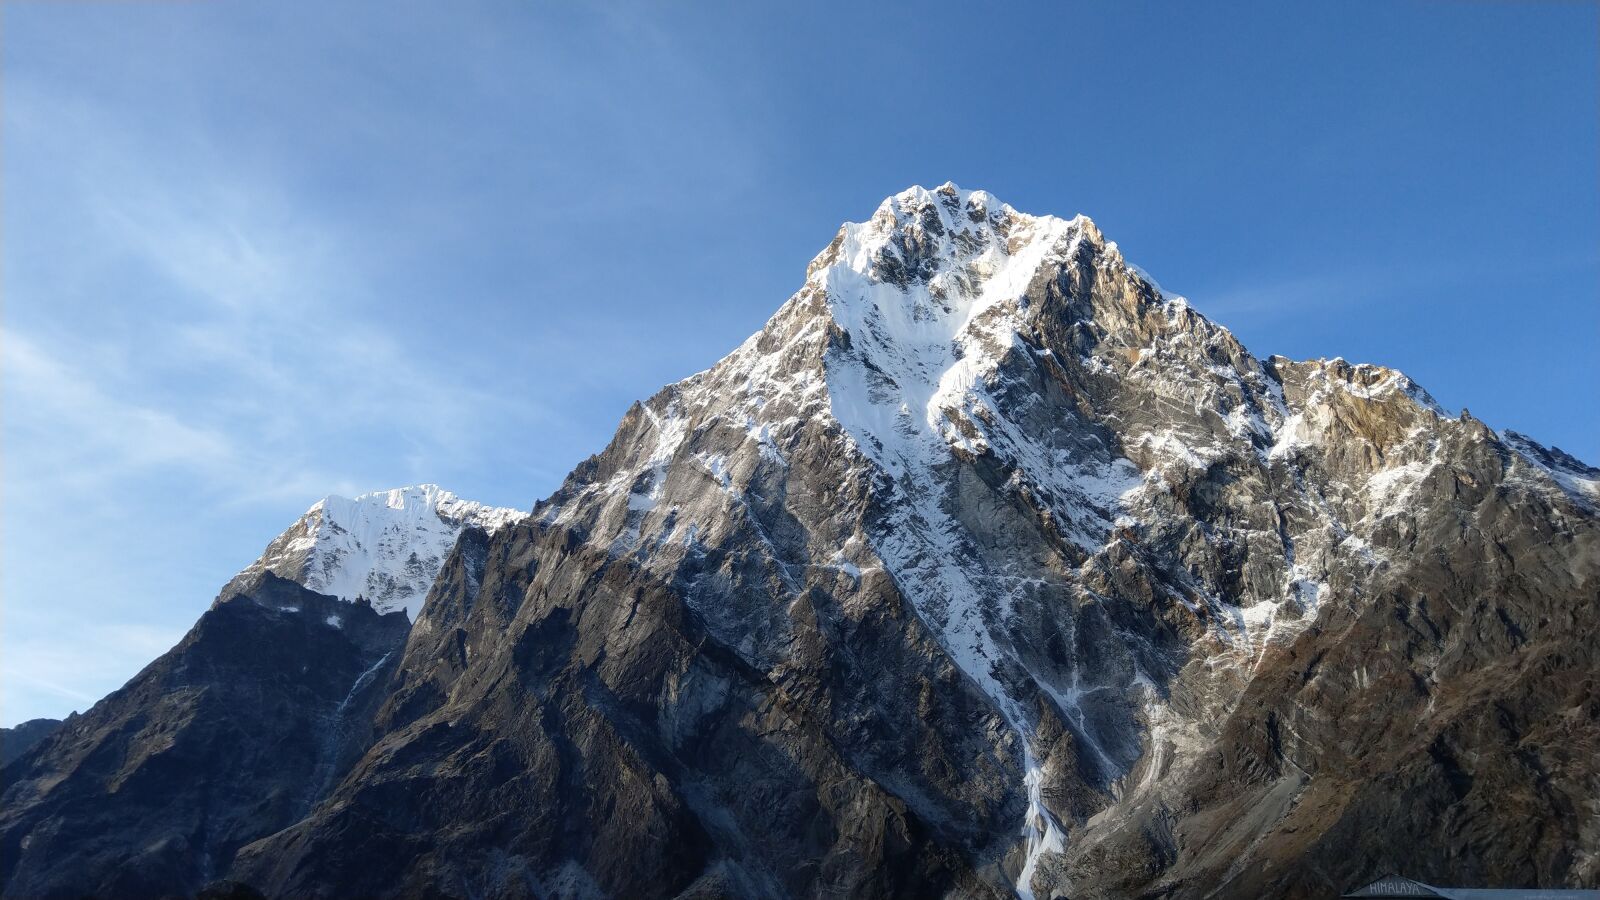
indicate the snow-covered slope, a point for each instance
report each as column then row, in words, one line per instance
column 986, row 568
column 386, row 546
column 1079, row 484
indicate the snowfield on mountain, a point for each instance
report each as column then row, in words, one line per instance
column 986, row 568
column 384, row 547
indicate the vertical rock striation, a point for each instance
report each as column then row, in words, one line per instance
column 986, row 568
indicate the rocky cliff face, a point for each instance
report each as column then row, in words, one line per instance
column 232, row 734
column 244, row 725
column 984, row 569
column 18, row 740
column 991, row 567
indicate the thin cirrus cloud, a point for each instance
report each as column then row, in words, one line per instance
column 235, row 344
column 259, row 252
column 91, row 436
column 204, row 336
column 232, row 391
column 1243, row 303
column 184, row 357
column 60, row 669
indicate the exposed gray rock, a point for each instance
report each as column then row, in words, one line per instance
column 24, row 737
column 234, row 733
column 986, row 568
column 986, row 511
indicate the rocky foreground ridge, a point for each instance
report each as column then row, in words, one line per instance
column 983, row 569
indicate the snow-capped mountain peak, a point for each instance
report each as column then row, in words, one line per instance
column 986, row 562
column 1001, row 415
column 918, row 235
column 385, row 547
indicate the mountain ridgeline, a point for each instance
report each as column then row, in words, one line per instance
column 984, row 569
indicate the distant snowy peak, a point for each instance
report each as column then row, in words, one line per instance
column 386, row 547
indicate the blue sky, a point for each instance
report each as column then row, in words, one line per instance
column 256, row 253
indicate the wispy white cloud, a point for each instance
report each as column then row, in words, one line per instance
column 59, row 405
column 97, row 653
column 223, row 244
column 184, row 351
column 253, row 348
column 228, row 296
column 1376, row 280
column 1286, row 296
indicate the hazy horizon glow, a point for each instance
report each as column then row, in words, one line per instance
column 254, row 254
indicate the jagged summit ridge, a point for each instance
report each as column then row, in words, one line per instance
column 984, row 568
column 1015, row 419
column 385, row 547
column 950, row 326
